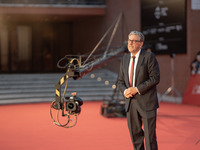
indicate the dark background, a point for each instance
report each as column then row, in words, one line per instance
column 164, row 25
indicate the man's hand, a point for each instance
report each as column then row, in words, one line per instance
column 130, row 92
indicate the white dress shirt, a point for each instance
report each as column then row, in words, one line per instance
column 135, row 64
column 134, row 71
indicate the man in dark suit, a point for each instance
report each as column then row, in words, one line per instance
column 139, row 74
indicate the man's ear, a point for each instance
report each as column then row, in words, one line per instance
column 141, row 44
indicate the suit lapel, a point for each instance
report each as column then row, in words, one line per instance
column 140, row 60
column 127, row 69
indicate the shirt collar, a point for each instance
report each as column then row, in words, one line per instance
column 137, row 55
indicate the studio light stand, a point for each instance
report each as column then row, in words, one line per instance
column 172, row 92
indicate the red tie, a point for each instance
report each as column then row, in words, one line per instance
column 131, row 73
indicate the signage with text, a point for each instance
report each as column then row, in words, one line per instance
column 164, row 25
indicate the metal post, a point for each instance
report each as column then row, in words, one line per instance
column 174, row 92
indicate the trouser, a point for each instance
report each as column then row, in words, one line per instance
column 135, row 118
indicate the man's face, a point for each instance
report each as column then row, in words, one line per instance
column 134, row 44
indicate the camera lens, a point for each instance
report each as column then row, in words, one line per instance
column 71, row 105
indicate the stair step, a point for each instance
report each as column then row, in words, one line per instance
column 26, row 88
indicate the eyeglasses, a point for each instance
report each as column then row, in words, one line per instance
column 133, row 41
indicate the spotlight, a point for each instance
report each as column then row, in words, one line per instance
column 99, row 79
column 114, row 86
column 106, row 82
column 92, row 76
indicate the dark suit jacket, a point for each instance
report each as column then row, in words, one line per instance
column 147, row 77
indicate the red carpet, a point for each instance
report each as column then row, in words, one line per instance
column 29, row 127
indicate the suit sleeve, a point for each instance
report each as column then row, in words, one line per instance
column 120, row 81
column 151, row 76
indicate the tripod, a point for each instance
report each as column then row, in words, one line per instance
column 172, row 88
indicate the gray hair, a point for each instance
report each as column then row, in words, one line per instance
column 137, row 33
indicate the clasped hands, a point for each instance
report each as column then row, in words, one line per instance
column 130, row 92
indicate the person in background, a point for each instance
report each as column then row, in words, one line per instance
column 195, row 66
column 138, row 76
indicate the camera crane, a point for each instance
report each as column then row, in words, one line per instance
column 71, row 106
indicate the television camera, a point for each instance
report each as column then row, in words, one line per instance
column 70, row 106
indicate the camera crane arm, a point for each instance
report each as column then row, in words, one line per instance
column 76, row 70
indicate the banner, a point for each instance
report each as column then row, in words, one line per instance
column 192, row 93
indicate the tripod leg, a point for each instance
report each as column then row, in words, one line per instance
column 166, row 92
